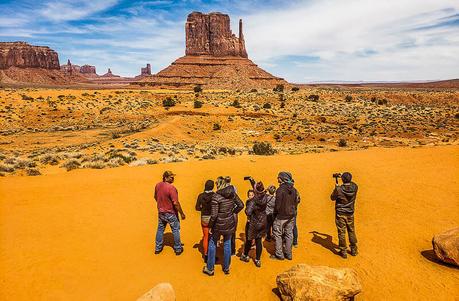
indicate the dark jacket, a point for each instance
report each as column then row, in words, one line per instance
column 344, row 197
column 225, row 203
column 256, row 216
column 204, row 203
column 287, row 200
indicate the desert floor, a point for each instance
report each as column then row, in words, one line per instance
column 89, row 234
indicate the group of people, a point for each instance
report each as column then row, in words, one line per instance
column 271, row 214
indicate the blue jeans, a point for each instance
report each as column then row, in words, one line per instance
column 213, row 250
column 173, row 221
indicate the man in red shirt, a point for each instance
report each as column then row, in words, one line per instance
column 166, row 197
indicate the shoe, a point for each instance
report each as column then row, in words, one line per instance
column 244, row 258
column 343, row 254
column 258, row 263
column 354, row 251
column 288, row 257
column 207, row 272
column 158, row 251
column 226, row 272
column 179, row 252
column 275, row 257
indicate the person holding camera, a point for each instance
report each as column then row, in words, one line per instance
column 204, row 204
column 225, row 203
column 344, row 197
column 284, row 216
column 256, row 218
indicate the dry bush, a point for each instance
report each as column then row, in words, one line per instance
column 5, row 167
column 51, row 159
column 95, row 164
column 71, row 164
column 33, row 172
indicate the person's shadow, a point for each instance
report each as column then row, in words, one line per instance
column 325, row 241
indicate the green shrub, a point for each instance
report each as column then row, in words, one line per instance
column 295, row 89
column 279, row 88
column 263, row 148
column 348, row 98
column 217, row 127
column 313, row 97
column 236, row 104
column 198, row 104
column 267, row 106
column 342, row 142
column 168, row 102
column 71, row 164
column 197, row 89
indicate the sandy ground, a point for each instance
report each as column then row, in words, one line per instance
column 88, row 234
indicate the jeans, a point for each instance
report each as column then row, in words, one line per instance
column 269, row 226
column 173, row 221
column 283, row 231
column 259, row 248
column 344, row 222
column 213, row 250
column 295, row 232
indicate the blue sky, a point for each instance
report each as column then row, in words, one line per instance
column 302, row 41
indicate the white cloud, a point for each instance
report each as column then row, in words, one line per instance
column 73, row 10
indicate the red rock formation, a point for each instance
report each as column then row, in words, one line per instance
column 210, row 34
column 24, row 55
column 70, row 69
column 88, row 70
column 109, row 74
column 146, row 70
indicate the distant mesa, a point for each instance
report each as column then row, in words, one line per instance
column 109, row 74
column 24, row 55
column 214, row 57
column 145, row 71
column 85, row 70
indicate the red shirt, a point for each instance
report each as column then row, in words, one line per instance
column 166, row 196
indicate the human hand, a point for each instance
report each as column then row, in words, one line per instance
column 182, row 215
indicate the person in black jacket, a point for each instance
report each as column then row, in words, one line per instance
column 204, row 204
column 256, row 217
column 225, row 203
column 344, row 197
column 284, row 215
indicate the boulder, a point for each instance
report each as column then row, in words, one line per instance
column 305, row 282
column 161, row 292
column 446, row 246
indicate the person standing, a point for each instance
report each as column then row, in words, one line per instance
column 204, row 204
column 284, row 215
column 222, row 223
column 344, row 197
column 169, row 208
column 256, row 215
column 269, row 211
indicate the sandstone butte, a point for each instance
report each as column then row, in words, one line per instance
column 214, row 57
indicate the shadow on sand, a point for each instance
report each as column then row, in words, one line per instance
column 325, row 241
column 430, row 255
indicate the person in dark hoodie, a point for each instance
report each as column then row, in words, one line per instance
column 284, row 216
column 256, row 217
column 225, row 203
column 344, row 197
column 204, row 204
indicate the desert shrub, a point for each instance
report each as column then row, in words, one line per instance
column 342, row 142
column 282, row 105
column 267, row 106
column 168, row 102
column 6, row 167
column 26, row 97
column 456, row 116
column 279, row 88
column 382, row 101
column 85, row 94
column 71, row 164
column 94, row 164
column 281, row 97
column 197, row 104
column 51, row 159
column 116, row 135
column 115, row 162
column 348, row 98
column 197, row 89
column 236, row 104
column 21, row 164
column 295, row 89
column 33, row 172
column 313, row 97
column 254, row 91
column 217, row 127
column 263, row 148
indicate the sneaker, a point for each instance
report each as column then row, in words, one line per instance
column 179, row 252
column 158, row 251
column 244, row 258
column 207, row 272
column 258, row 263
column 343, row 254
column 354, row 251
column 226, row 272
column 276, row 257
column 288, row 257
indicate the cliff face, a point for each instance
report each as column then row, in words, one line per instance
column 210, row 34
column 24, row 55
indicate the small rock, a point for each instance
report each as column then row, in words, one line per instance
column 446, row 246
column 161, row 292
column 305, row 282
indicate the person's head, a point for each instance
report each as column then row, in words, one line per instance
column 346, row 177
column 168, row 176
column 221, row 183
column 228, row 180
column 272, row 189
column 284, row 177
column 250, row 194
column 259, row 187
column 209, row 186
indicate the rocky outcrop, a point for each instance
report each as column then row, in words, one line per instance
column 145, row 71
column 305, row 282
column 446, row 246
column 109, row 74
column 24, row 55
column 88, row 70
column 214, row 58
column 210, row 34
column 161, row 292
column 69, row 68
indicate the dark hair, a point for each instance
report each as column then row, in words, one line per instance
column 346, row 177
column 209, row 185
column 250, row 191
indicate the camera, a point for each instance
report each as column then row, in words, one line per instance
column 247, row 178
column 336, row 175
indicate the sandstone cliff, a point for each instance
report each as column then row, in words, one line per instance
column 24, row 55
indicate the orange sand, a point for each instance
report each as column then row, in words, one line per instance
column 89, row 234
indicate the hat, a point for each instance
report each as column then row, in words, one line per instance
column 259, row 187
column 285, row 177
column 168, row 174
column 346, row 177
